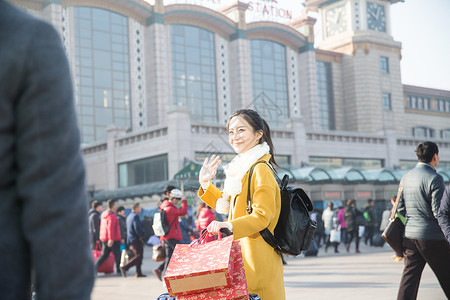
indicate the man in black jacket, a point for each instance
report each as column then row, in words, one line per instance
column 123, row 224
column 424, row 241
column 135, row 235
column 351, row 214
column 94, row 222
column 371, row 223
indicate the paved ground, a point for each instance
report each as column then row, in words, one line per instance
column 370, row 275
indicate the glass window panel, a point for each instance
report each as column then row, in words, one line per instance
column 86, row 33
column 87, row 110
column 117, row 47
column 102, row 78
column 152, row 169
column 86, row 91
column 103, row 116
column 85, row 72
column 102, row 59
column 86, row 81
column 193, row 54
column 119, row 84
column 88, row 130
column 85, row 119
column 193, row 71
column 384, row 65
column 179, row 57
column 101, row 19
column 420, row 132
column 270, row 96
column 85, row 52
column 387, row 101
column 191, row 36
column 446, row 134
column 86, row 100
column 325, row 95
column 117, row 29
column 86, row 62
column 102, row 40
column 85, row 43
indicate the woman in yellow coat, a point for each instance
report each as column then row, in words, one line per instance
column 249, row 135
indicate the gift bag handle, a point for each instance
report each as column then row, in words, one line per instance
column 204, row 234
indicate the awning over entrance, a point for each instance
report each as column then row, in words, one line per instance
column 187, row 179
column 190, row 171
column 349, row 175
column 134, row 191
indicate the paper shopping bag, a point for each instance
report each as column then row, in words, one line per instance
column 238, row 289
column 200, row 267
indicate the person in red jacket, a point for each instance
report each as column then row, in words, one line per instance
column 110, row 235
column 174, row 236
column 205, row 216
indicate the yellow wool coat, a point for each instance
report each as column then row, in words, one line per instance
column 263, row 266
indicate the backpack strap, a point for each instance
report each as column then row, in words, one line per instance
column 265, row 233
column 249, row 199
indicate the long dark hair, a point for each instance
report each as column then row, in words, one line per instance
column 257, row 123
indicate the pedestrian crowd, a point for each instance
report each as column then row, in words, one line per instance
column 112, row 232
column 345, row 224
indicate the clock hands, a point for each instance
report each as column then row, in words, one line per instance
column 336, row 17
column 377, row 15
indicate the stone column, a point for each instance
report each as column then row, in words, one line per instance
column 392, row 160
column 309, row 106
column 111, row 165
column 157, row 66
column 239, row 54
column 52, row 13
column 179, row 142
column 306, row 62
column 300, row 154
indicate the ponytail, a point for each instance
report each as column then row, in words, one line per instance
column 268, row 139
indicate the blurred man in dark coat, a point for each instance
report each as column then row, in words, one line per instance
column 43, row 204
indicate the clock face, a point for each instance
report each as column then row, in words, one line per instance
column 376, row 18
column 336, row 21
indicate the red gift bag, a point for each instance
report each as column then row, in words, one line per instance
column 108, row 265
column 200, row 267
column 238, row 289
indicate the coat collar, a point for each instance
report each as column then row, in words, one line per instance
column 424, row 165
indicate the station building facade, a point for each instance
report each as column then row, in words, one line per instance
column 155, row 82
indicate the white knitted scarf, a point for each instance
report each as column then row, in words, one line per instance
column 235, row 171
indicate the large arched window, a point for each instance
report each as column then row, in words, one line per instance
column 269, row 80
column 194, row 71
column 102, row 71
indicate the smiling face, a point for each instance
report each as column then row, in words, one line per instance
column 241, row 135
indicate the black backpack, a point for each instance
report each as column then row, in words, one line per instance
column 295, row 229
